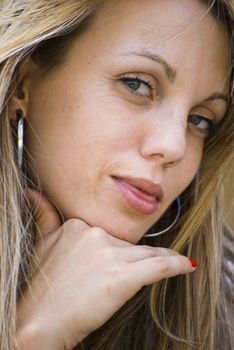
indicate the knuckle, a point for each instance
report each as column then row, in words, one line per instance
column 164, row 265
column 151, row 252
column 73, row 228
column 72, row 224
column 148, row 248
column 97, row 233
column 172, row 252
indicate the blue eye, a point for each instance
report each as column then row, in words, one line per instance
column 138, row 86
column 205, row 125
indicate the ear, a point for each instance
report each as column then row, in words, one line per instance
column 20, row 95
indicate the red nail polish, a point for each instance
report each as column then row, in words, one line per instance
column 193, row 262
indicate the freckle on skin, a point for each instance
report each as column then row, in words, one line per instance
column 98, row 130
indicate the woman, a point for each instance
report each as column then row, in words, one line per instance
column 116, row 109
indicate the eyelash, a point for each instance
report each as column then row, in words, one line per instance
column 212, row 129
column 125, row 80
column 212, row 126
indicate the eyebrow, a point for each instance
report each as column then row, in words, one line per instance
column 170, row 71
column 217, row 96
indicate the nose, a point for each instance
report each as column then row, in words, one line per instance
column 165, row 139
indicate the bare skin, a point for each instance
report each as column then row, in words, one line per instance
column 50, row 312
column 91, row 264
column 89, row 121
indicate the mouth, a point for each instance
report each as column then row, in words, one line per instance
column 142, row 195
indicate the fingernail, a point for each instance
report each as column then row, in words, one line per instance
column 193, row 262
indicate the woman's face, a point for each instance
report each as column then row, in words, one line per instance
column 119, row 128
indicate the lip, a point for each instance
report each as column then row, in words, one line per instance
column 142, row 195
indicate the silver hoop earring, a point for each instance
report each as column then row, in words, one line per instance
column 20, row 136
column 173, row 223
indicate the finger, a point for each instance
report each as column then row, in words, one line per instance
column 46, row 215
column 103, row 238
column 136, row 253
column 154, row 269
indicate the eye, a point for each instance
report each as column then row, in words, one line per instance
column 205, row 125
column 138, row 86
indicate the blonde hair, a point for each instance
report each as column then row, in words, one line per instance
column 181, row 313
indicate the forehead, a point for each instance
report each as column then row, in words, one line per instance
column 181, row 31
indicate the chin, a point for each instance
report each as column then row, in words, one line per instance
column 121, row 228
column 131, row 235
column 115, row 220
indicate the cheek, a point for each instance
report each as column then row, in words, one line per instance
column 69, row 136
column 183, row 174
column 191, row 163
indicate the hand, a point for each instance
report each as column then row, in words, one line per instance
column 85, row 276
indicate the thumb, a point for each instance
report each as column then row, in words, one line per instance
column 46, row 215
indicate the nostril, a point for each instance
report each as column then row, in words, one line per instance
column 167, row 146
column 171, row 164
